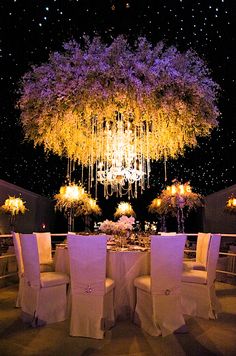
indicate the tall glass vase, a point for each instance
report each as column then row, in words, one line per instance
column 12, row 222
column 70, row 220
column 180, row 219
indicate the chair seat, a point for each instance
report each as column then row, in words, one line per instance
column 52, row 279
column 109, row 285
column 47, row 267
column 188, row 265
column 143, row 282
column 194, row 276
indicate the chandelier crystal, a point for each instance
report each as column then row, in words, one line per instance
column 123, row 168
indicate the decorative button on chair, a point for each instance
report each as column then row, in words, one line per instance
column 92, row 293
column 198, row 295
column 44, row 298
column 158, row 307
column 203, row 242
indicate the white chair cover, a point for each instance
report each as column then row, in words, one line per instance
column 18, row 253
column 44, row 294
column 158, row 307
column 92, row 293
column 203, row 243
column 198, row 295
column 45, row 251
column 166, row 234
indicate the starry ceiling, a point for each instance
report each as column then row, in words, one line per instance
column 30, row 30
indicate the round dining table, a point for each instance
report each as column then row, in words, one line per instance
column 123, row 266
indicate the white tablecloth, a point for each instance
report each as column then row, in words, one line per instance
column 123, row 267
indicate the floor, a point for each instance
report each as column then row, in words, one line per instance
column 204, row 337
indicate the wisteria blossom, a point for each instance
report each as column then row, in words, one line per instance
column 162, row 94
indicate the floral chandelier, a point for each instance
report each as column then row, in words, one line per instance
column 115, row 108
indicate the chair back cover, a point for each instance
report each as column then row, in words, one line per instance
column 213, row 255
column 166, row 264
column 30, row 259
column 18, row 252
column 87, row 264
column 44, row 247
column 203, row 243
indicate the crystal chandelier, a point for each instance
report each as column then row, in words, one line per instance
column 123, row 169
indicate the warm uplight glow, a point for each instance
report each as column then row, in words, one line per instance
column 14, row 206
column 124, row 208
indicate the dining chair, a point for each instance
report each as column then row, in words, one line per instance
column 203, row 243
column 20, row 266
column 92, row 309
column 44, row 242
column 46, row 264
column 198, row 296
column 158, row 304
column 44, row 297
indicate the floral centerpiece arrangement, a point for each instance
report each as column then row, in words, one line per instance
column 120, row 229
column 230, row 206
column 121, row 226
column 124, row 208
column 13, row 206
column 174, row 200
column 91, row 207
column 125, row 224
column 74, row 201
column 108, row 227
column 71, row 196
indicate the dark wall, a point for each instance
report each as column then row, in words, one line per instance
column 215, row 219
